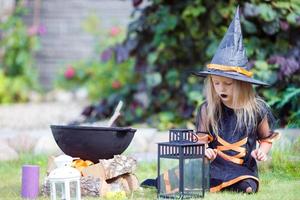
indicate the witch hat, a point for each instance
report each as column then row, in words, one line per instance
column 230, row 59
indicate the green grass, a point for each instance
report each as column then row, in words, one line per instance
column 11, row 175
column 280, row 181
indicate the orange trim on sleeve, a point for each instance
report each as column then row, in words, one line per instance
column 204, row 138
column 231, row 182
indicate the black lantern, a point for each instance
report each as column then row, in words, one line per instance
column 182, row 167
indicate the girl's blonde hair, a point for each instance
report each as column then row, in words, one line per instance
column 245, row 104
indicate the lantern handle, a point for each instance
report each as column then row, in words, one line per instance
column 194, row 137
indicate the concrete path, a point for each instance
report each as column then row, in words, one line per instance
column 26, row 128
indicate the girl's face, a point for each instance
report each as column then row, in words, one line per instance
column 224, row 89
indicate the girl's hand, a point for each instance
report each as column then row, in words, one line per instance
column 210, row 154
column 259, row 155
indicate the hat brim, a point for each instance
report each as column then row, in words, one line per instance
column 232, row 75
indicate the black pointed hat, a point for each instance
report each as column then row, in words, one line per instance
column 230, row 59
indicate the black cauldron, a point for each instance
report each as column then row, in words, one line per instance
column 92, row 143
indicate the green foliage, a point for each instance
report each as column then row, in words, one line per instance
column 286, row 99
column 169, row 39
column 174, row 38
column 101, row 79
column 109, row 76
column 13, row 89
column 17, row 75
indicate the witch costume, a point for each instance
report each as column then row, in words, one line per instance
column 233, row 166
column 233, row 145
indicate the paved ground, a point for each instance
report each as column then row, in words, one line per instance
column 26, row 128
column 34, row 116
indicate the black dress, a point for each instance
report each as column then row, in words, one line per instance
column 233, row 147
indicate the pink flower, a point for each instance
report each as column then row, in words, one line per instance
column 32, row 30
column 70, row 72
column 114, row 31
column 42, row 30
column 116, row 85
column 284, row 25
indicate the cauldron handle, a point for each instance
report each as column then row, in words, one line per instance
column 116, row 114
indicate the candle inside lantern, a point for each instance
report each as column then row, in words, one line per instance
column 30, row 181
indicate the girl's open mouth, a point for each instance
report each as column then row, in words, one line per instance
column 223, row 95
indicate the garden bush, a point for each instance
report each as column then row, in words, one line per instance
column 169, row 39
column 18, row 44
column 107, row 76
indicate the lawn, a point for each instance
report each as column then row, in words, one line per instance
column 281, row 182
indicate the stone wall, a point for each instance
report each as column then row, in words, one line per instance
column 65, row 41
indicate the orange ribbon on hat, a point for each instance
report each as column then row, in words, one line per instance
column 230, row 68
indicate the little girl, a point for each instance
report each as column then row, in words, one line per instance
column 233, row 117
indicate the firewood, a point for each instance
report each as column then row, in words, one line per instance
column 119, row 184
column 96, row 171
column 90, row 186
column 132, row 181
column 125, row 182
column 51, row 164
column 118, row 165
column 105, row 187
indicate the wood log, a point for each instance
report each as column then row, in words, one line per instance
column 90, row 186
column 114, row 174
column 105, row 187
column 51, row 164
column 118, row 165
column 96, row 171
column 125, row 182
column 119, row 184
column 132, row 181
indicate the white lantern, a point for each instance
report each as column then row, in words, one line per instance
column 64, row 180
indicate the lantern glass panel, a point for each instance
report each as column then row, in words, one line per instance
column 60, row 192
column 73, row 190
column 169, row 178
column 206, row 175
column 193, row 176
